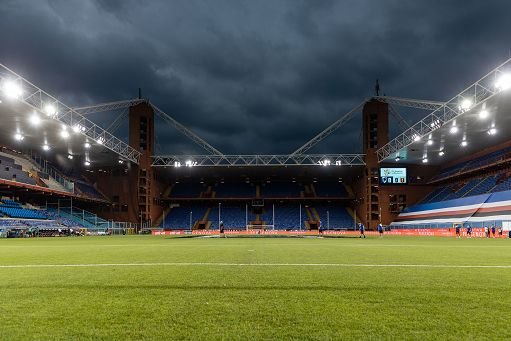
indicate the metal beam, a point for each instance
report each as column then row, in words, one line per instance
column 329, row 130
column 410, row 103
column 110, row 106
column 324, row 160
column 476, row 94
column 187, row 132
column 39, row 100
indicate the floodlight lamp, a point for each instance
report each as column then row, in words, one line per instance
column 416, row 138
column 70, row 157
column 87, row 163
column 430, row 142
column 453, row 130
column 504, row 82
column 121, row 162
column 50, row 110
column 18, row 137
column 398, row 158
column 100, row 140
column 441, row 153
column 425, row 160
column 483, row 114
column 46, row 147
column 12, row 90
column 64, row 134
column 464, row 143
column 492, row 131
column 76, row 128
column 35, row 119
column 465, row 104
column 87, row 145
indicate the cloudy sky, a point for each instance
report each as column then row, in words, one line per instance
column 253, row 76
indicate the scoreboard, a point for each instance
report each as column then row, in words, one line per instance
column 393, row 176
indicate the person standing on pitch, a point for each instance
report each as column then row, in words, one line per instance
column 222, row 234
column 493, row 230
column 486, row 231
column 469, row 231
column 361, row 228
column 380, row 229
column 457, row 230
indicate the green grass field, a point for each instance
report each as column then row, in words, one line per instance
column 259, row 288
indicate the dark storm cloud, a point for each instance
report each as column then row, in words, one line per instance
column 253, row 76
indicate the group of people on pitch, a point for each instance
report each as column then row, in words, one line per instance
column 488, row 231
column 362, row 229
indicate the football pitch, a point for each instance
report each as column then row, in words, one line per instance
column 145, row 287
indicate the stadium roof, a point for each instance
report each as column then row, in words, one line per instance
column 33, row 119
column 475, row 119
column 21, row 130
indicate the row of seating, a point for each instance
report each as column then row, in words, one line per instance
column 9, row 170
column 488, row 184
column 273, row 189
column 14, row 212
column 475, row 163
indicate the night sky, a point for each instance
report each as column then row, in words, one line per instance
column 253, row 76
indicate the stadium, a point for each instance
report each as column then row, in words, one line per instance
column 138, row 218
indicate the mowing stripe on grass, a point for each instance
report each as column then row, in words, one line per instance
column 345, row 265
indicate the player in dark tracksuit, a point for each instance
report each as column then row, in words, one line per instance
column 361, row 228
column 457, row 231
column 493, row 230
column 380, row 229
column 469, row 231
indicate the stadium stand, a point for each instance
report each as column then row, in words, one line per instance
column 234, row 190
column 179, row 217
column 281, row 189
column 334, row 217
column 286, row 217
column 187, row 190
column 332, row 189
column 232, row 216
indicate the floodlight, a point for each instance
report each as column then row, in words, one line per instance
column 18, row 137
column 441, row 153
column 504, row 82
column 100, row 140
column 46, row 147
column 430, row 142
column 50, row 110
column 483, row 114
column 121, row 162
column 70, row 157
column 87, row 145
column 177, row 164
column 64, row 134
column 76, row 128
column 425, row 160
column 465, row 104
column 398, row 158
column 416, row 138
column 12, row 90
column 492, row 131
column 86, row 163
column 464, row 143
column 453, row 130
column 35, row 119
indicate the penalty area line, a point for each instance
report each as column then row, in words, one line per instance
column 199, row 264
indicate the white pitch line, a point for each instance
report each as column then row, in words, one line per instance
column 342, row 265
